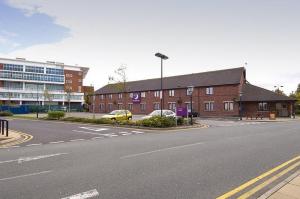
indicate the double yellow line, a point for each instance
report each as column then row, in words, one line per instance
column 294, row 163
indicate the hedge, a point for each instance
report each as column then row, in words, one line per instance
column 56, row 115
column 6, row 113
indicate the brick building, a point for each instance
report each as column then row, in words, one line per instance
column 26, row 82
column 216, row 94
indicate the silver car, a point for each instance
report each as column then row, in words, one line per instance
column 166, row 113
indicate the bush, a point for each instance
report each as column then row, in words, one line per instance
column 56, row 115
column 159, row 122
column 88, row 120
column 6, row 113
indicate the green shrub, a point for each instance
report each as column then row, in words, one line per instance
column 88, row 120
column 180, row 121
column 6, row 113
column 159, row 122
column 56, row 115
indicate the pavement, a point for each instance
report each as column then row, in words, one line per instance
column 187, row 163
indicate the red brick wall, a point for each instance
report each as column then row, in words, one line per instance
column 1, row 66
column 221, row 94
column 76, row 79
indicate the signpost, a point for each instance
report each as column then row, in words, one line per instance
column 190, row 90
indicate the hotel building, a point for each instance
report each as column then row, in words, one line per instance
column 25, row 82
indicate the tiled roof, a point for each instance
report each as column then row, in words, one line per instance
column 205, row 79
column 253, row 93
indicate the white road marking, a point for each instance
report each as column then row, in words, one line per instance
column 110, row 135
column 87, row 132
column 125, row 133
column 56, row 142
column 83, row 195
column 26, row 175
column 76, row 140
column 27, row 159
column 94, row 138
column 34, row 144
column 93, row 128
column 14, row 147
column 137, row 132
column 160, row 150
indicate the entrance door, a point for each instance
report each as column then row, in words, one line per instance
column 282, row 109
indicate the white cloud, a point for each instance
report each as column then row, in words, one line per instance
column 105, row 35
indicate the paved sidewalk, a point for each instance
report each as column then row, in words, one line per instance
column 289, row 191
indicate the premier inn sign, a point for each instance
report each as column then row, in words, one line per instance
column 136, row 98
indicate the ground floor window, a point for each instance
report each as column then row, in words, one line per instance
column 209, row 106
column 172, row 106
column 101, row 107
column 110, row 107
column 130, row 107
column 228, row 106
column 143, row 107
column 120, row 106
column 156, row 106
column 263, row 106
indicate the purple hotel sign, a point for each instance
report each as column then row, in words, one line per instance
column 181, row 111
column 136, row 98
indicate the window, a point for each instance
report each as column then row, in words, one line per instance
column 69, row 75
column 120, row 95
column 54, row 71
column 131, row 95
column 34, row 69
column 143, row 107
column 143, row 94
column 101, row 97
column 79, row 89
column 13, row 67
column 209, row 106
column 172, row 106
column 157, row 93
column 110, row 96
column 130, row 107
column 101, row 107
column 79, row 80
column 171, row 93
column 110, row 107
column 263, row 106
column 120, row 106
column 156, row 106
column 209, row 91
column 228, row 106
column 69, row 81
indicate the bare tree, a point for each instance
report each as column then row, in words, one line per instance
column 48, row 97
column 119, row 83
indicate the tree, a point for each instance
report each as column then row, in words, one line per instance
column 49, row 97
column 119, row 83
column 298, row 89
column 280, row 92
column 69, row 92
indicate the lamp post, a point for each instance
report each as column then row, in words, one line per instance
column 162, row 57
column 240, row 108
column 190, row 90
column 37, row 101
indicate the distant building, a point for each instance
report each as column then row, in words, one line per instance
column 26, row 82
column 216, row 94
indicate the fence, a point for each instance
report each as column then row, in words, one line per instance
column 4, row 127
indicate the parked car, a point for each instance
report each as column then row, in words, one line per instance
column 166, row 113
column 118, row 115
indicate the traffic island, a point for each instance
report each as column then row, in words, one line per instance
column 14, row 138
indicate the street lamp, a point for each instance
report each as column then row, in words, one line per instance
column 241, row 114
column 190, row 90
column 162, row 57
column 37, row 101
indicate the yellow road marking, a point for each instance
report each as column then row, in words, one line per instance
column 267, row 182
column 251, row 182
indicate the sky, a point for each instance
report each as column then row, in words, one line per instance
column 196, row 35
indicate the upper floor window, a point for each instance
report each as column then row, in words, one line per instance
column 209, row 91
column 101, row 97
column 69, row 75
column 131, row 95
column 157, row 93
column 171, row 93
column 110, row 96
column 34, row 69
column 69, row 81
column 13, row 67
column 263, row 106
column 120, row 96
column 228, row 106
column 54, row 71
column 143, row 94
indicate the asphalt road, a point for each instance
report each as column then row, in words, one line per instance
column 188, row 164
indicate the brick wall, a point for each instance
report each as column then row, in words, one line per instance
column 220, row 95
column 73, row 79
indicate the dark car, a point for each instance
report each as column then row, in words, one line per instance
column 195, row 114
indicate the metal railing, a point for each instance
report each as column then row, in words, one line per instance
column 4, row 127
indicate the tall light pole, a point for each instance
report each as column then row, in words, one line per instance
column 37, row 101
column 162, row 57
